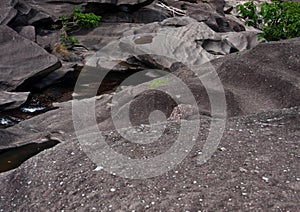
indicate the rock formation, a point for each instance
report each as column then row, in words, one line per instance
column 158, row 71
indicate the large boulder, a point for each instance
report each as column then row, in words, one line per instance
column 23, row 61
column 258, row 151
column 255, row 167
column 259, row 80
column 264, row 77
column 196, row 36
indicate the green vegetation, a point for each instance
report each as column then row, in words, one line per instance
column 278, row 20
column 75, row 21
column 248, row 11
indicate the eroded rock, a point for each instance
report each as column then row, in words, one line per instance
column 11, row 100
column 61, row 169
column 22, row 59
column 7, row 11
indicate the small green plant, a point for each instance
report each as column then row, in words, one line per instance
column 248, row 12
column 278, row 20
column 156, row 83
column 67, row 40
column 79, row 19
column 74, row 21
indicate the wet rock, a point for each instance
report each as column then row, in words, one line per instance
column 54, row 77
column 11, row 100
column 23, row 59
column 8, row 138
column 14, row 157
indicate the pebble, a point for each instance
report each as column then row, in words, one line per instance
column 265, row 179
column 243, row 170
column 98, row 168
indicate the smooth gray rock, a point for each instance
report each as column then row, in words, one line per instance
column 7, row 11
column 211, row 13
column 22, row 60
column 195, row 37
column 260, row 85
column 264, row 78
column 104, row 34
column 242, row 40
column 30, row 15
column 11, row 100
column 47, row 39
column 27, row 32
column 255, row 165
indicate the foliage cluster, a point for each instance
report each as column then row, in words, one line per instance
column 75, row 21
column 278, row 19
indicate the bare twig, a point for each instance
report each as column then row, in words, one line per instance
column 174, row 10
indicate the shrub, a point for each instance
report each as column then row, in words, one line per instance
column 278, row 20
column 248, row 12
column 84, row 19
column 74, row 21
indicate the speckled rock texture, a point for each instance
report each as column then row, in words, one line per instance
column 47, row 162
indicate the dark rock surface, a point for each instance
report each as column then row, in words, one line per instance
column 27, row 32
column 268, row 71
column 240, row 176
column 50, row 9
column 23, row 59
column 28, row 15
column 245, row 95
column 7, row 11
column 46, row 160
